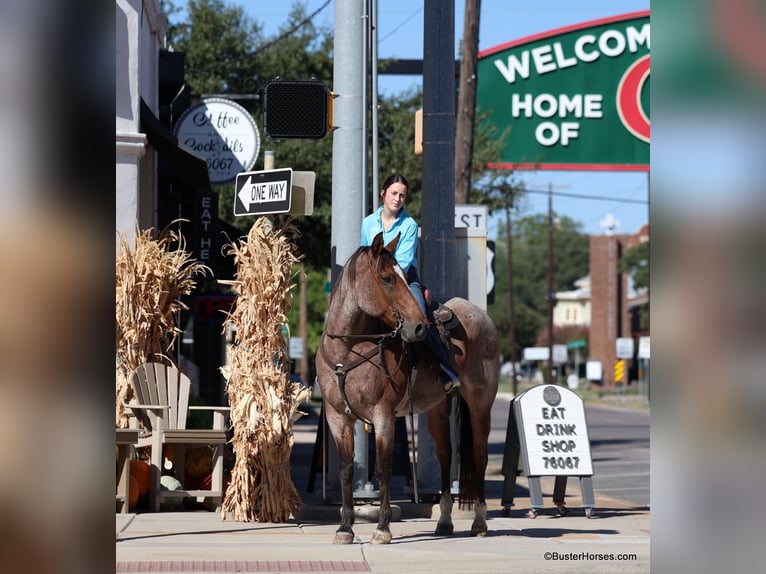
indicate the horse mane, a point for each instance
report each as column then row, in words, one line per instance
column 346, row 284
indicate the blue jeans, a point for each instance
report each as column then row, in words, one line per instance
column 432, row 340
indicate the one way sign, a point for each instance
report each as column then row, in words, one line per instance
column 261, row 192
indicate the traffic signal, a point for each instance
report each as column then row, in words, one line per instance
column 296, row 109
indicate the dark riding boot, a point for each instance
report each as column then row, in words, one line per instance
column 448, row 376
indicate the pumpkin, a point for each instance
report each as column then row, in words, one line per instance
column 199, row 462
column 141, row 471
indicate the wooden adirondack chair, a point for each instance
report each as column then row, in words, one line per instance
column 124, row 438
column 162, row 406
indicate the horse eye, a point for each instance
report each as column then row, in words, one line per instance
column 387, row 279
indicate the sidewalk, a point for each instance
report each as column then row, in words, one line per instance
column 199, row 541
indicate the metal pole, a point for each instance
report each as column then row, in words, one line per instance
column 348, row 137
column 374, row 100
column 365, row 23
column 549, row 289
column 438, row 219
column 347, row 152
column 511, row 311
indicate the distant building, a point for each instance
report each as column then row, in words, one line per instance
column 605, row 301
column 573, row 307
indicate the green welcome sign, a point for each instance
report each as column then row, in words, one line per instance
column 573, row 98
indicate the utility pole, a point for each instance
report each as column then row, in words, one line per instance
column 302, row 326
column 549, row 377
column 466, row 102
column 511, row 310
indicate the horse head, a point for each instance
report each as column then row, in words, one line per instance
column 382, row 291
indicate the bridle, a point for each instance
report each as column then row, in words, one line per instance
column 381, row 339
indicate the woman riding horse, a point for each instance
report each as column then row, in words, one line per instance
column 391, row 219
column 367, row 372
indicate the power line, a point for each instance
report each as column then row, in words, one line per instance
column 581, row 196
column 402, row 23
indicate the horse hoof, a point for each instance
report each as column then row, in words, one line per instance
column 444, row 530
column 343, row 538
column 380, row 537
column 481, row 533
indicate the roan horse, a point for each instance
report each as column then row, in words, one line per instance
column 367, row 370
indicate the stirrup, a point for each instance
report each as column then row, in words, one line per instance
column 448, row 383
column 444, row 315
column 450, row 386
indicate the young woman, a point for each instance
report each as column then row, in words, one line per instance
column 392, row 219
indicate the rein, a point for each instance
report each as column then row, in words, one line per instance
column 342, row 370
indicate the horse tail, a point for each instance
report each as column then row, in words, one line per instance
column 466, row 469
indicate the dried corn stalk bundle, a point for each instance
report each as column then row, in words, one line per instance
column 150, row 281
column 263, row 401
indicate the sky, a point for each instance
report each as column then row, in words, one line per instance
column 400, row 35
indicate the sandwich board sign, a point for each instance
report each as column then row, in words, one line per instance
column 549, row 437
column 554, row 432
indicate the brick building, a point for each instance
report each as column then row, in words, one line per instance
column 612, row 301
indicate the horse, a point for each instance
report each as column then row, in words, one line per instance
column 369, row 369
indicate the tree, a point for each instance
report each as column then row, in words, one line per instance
column 316, row 303
column 530, row 243
column 635, row 262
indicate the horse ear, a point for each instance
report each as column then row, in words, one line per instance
column 391, row 247
column 377, row 244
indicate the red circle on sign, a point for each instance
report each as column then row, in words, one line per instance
column 629, row 99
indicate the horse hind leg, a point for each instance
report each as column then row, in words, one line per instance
column 439, row 427
column 445, row 527
column 479, row 526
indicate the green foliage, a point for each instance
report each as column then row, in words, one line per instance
column 530, row 263
column 316, row 308
column 635, row 262
column 218, row 40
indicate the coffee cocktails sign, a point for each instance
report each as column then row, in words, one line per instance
column 222, row 132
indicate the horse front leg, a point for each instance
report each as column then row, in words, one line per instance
column 345, row 445
column 438, row 425
column 384, row 449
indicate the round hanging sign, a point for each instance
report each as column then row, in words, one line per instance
column 222, row 132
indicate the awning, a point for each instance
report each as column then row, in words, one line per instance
column 191, row 169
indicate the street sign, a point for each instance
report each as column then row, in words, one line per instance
column 593, row 370
column 262, row 192
column 643, row 347
column 619, row 371
column 536, row 353
column 624, row 348
column 560, row 354
column 295, row 348
column 578, row 344
column 471, row 215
